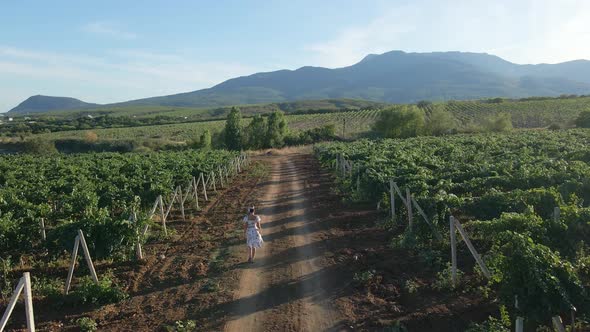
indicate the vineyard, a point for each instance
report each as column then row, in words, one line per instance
column 536, row 113
column 521, row 198
column 93, row 192
column 357, row 122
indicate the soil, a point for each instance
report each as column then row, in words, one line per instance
column 326, row 265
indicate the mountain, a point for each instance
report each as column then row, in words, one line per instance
column 41, row 104
column 395, row 77
column 392, row 77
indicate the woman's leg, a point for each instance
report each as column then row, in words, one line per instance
column 249, row 253
column 253, row 252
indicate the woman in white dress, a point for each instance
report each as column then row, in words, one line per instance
column 252, row 233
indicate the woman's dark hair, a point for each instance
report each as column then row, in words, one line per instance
column 251, row 210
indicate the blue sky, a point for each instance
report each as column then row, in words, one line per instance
column 109, row 51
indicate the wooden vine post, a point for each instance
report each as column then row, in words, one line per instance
column 409, row 207
column 453, row 251
column 221, row 177
column 80, row 240
column 24, row 284
column 519, row 324
column 392, row 199
column 138, row 251
column 213, row 180
column 162, row 214
column 471, row 248
column 204, row 187
column 43, row 234
column 196, row 191
column 181, row 201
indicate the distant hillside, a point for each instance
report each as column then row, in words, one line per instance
column 41, row 104
column 396, row 77
column 393, row 77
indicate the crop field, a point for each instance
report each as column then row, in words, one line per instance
column 525, row 113
column 523, row 198
column 357, row 122
column 94, row 192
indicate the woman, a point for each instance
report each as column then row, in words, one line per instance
column 252, row 233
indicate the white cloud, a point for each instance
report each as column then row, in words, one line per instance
column 117, row 76
column 529, row 31
column 108, row 29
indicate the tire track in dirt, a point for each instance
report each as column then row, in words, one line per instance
column 288, row 288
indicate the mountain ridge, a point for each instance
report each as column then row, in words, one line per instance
column 391, row 77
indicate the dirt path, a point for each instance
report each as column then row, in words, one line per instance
column 287, row 288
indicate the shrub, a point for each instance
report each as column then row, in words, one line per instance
column 400, row 122
column 363, row 278
column 182, row 326
column 410, row 286
column 440, row 122
column 90, row 137
column 40, row 146
column 583, row 119
column 503, row 324
column 89, row 292
column 502, row 122
column 86, row 324
column 444, row 281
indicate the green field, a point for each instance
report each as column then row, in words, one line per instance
column 525, row 113
column 504, row 188
column 93, row 192
column 357, row 122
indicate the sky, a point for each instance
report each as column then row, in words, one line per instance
column 110, row 51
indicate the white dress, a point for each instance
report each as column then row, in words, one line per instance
column 253, row 237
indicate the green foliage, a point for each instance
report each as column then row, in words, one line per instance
column 583, row 119
column 233, row 130
column 205, row 140
column 400, row 122
column 325, row 133
column 256, row 133
column 501, row 122
column 411, row 286
column 544, row 282
column 86, row 324
column 511, row 183
column 40, row 146
column 440, row 121
column 48, row 287
column 89, row 292
column 182, row 326
column 5, row 284
column 363, row 278
column 491, row 325
column 276, row 130
column 444, row 281
column 93, row 192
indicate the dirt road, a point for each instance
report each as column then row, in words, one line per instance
column 286, row 288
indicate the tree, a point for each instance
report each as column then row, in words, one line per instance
column 583, row 119
column 400, row 121
column 276, row 130
column 440, row 121
column 233, row 130
column 205, row 140
column 256, row 133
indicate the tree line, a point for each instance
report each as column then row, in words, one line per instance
column 268, row 131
